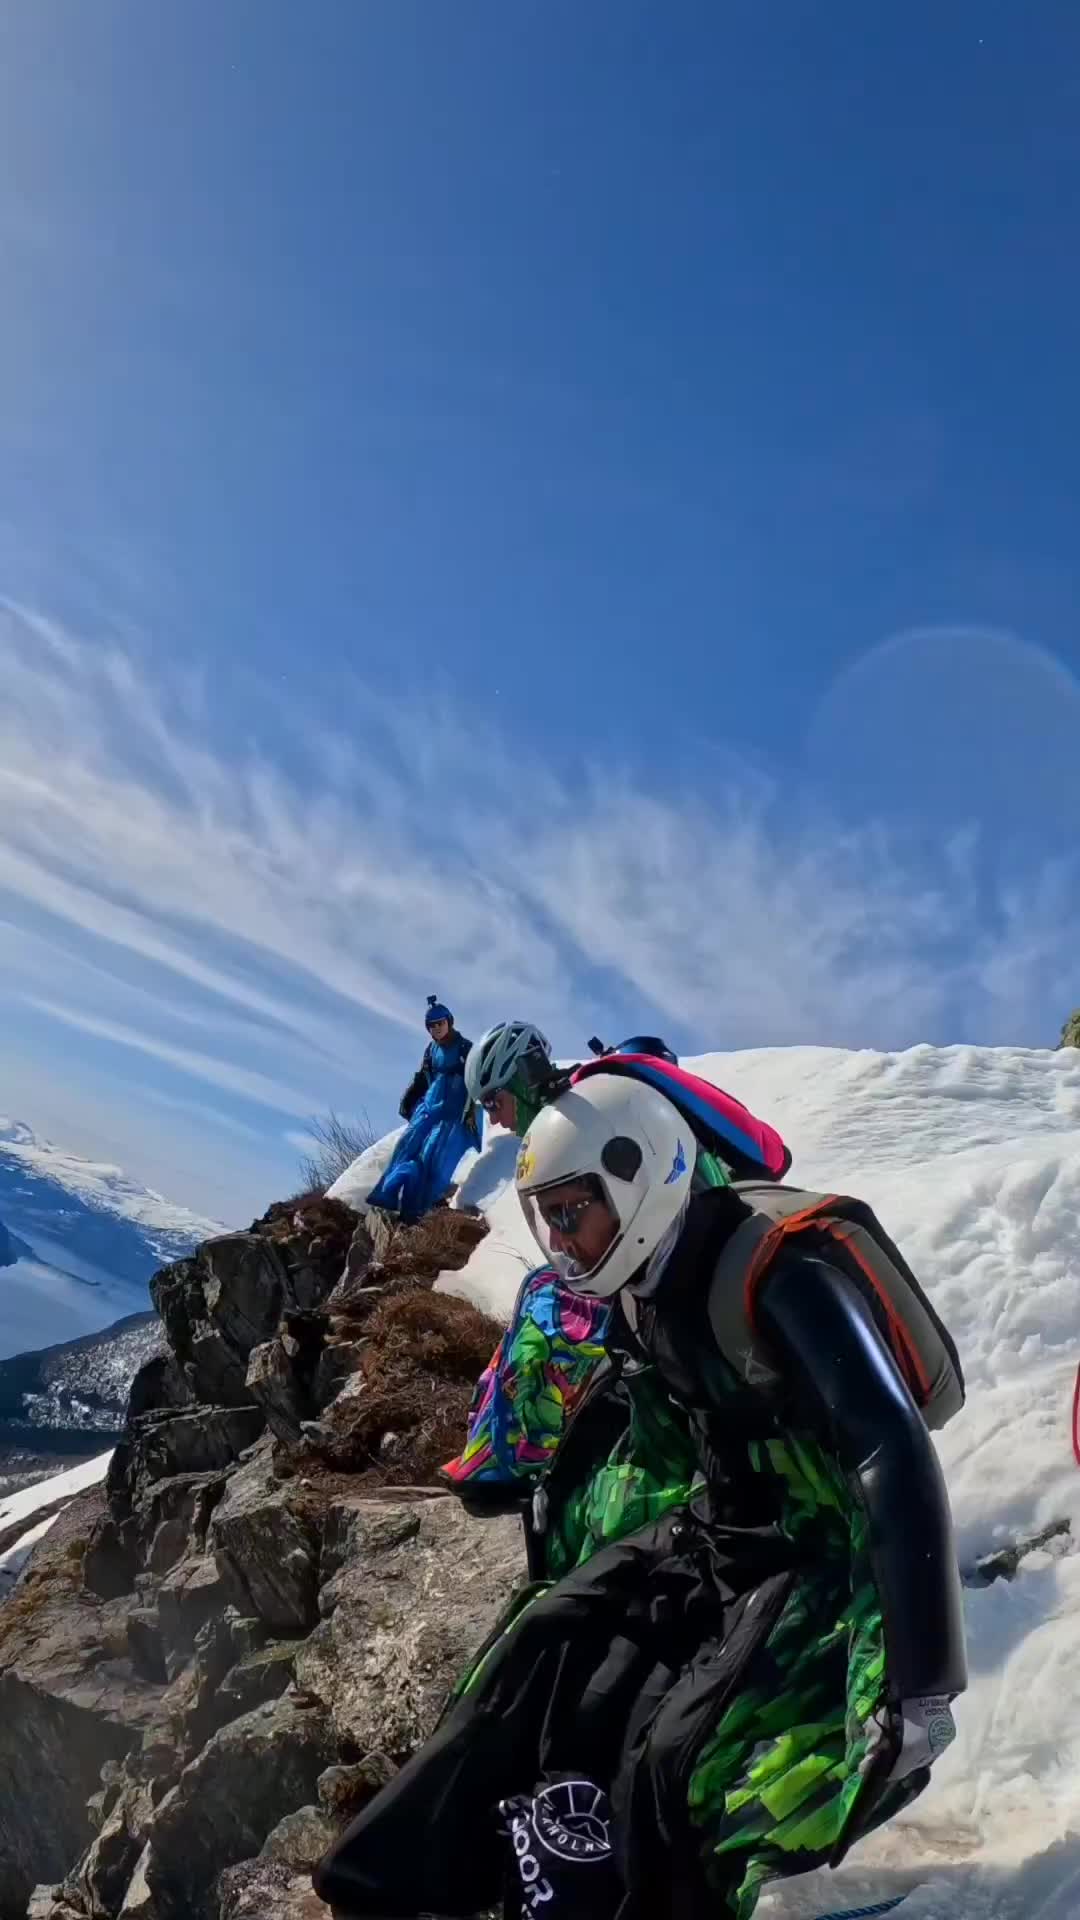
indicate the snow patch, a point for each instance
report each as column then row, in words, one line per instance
column 47, row 1499
column 45, row 1493
column 13, row 1562
column 365, row 1172
column 971, row 1157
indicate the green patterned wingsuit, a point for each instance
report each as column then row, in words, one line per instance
column 773, row 1786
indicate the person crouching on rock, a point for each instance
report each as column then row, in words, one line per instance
column 442, row 1124
column 751, row 1682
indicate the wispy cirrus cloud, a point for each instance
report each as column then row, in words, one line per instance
column 256, row 1087
column 295, row 893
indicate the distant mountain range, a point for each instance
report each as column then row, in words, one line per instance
column 70, row 1398
column 79, row 1242
column 90, row 1209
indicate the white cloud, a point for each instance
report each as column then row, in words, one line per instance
column 302, row 910
column 201, row 1066
column 207, row 1116
column 303, row 1142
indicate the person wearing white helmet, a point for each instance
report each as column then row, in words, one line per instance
column 758, row 1676
column 602, row 1202
column 507, row 1073
column 822, row 1502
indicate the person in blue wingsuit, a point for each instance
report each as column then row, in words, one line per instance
column 442, row 1124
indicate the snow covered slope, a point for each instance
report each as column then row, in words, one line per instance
column 971, row 1156
column 366, row 1171
column 90, row 1207
column 26, row 1516
column 86, row 1239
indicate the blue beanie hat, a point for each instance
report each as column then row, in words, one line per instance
column 436, row 1011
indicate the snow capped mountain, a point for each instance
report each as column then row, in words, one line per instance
column 63, row 1396
column 78, row 1241
column 90, row 1207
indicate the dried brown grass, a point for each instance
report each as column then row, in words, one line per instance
column 422, row 1354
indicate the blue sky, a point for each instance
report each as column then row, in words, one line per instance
column 570, row 508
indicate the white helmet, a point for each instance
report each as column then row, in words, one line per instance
column 513, row 1048
column 630, row 1142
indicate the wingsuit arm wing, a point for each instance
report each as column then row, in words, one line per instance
column 824, row 1337
column 417, row 1087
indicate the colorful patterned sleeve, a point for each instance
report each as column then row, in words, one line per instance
column 532, row 1383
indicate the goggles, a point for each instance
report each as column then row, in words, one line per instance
column 566, row 1216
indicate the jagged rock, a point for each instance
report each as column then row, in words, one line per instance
column 48, row 1903
column 1003, row 1563
column 105, row 1872
column 301, row 1839
column 274, row 1383
column 246, row 1632
column 168, row 1744
column 194, row 1443
column 338, row 1362
column 332, row 1437
column 313, row 1235
column 360, row 1255
column 187, row 1598
column 172, row 1518
column 268, row 1890
column 194, row 1705
column 111, row 1561
column 50, row 1754
column 139, row 1902
column 159, row 1383
column 218, row 1305
column 66, row 1705
column 260, row 1677
column 309, row 1279
column 100, row 1804
column 402, row 1622
column 343, row 1790
column 206, row 1508
column 199, row 1440
column 159, row 1762
column 246, row 1779
column 381, row 1228
column 266, row 1549
column 152, row 1525
column 1070, row 1032
column 145, row 1644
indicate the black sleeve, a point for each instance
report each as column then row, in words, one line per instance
column 417, row 1087
column 827, row 1345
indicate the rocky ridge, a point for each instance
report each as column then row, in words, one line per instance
column 212, row 1662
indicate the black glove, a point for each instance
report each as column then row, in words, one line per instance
column 413, row 1094
column 563, row 1863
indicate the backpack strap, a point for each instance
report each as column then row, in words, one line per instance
column 845, row 1233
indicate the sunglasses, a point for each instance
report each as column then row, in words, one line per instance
column 566, row 1216
column 489, row 1101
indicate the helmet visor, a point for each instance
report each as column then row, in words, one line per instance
column 575, row 1223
